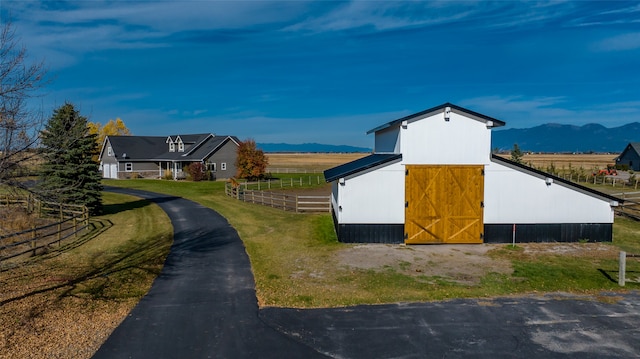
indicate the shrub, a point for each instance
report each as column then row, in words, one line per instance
column 168, row 175
column 197, row 172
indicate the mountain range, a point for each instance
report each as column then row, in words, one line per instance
column 550, row 137
column 310, row 147
column 554, row 137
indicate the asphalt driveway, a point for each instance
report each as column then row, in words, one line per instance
column 203, row 305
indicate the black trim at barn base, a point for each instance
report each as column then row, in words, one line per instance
column 549, row 232
column 494, row 233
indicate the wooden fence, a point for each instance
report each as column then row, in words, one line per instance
column 280, row 200
column 70, row 220
column 302, row 181
column 613, row 181
column 631, row 206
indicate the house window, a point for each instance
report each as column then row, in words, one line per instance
column 109, row 151
column 128, row 167
column 172, row 147
column 211, row 166
column 223, row 166
column 180, row 146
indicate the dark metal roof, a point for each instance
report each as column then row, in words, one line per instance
column 631, row 146
column 155, row 148
column 496, row 122
column 578, row 187
column 359, row 165
column 137, row 147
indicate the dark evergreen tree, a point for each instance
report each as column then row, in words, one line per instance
column 69, row 173
column 516, row 153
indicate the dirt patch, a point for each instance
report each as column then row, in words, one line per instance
column 583, row 250
column 465, row 264
column 461, row 263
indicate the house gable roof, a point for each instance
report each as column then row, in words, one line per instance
column 137, row 147
column 535, row 172
column 434, row 110
column 155, row 148
column 359, row 165
column 206, row 148
column 635, row 146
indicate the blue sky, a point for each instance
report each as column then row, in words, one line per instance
column 328, row 71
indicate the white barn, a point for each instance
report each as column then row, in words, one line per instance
column 432, row 179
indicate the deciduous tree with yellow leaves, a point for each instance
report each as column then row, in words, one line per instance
column 112, row 128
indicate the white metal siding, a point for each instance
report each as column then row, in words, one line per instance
column 114, row 170
column 512, row 196
column 388, row 141
column 433, row 140
column 375, row 196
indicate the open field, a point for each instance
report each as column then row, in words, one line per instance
column 586, row 161
column 309, row 162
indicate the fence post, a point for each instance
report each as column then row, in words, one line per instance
column 622, row 268
column 34, row 238
column 60, row 224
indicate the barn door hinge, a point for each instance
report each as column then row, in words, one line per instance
column 406, row 204
column 481, row 204
column 481, row 235
column 482, row 172
column 406, row 236
column 406, row 172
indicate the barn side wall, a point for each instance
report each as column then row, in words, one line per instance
column 514, row 196
column 372, row 197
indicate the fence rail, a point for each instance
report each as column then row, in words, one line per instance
column 70, row 220
column 279, row 200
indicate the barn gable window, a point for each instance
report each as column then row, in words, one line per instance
column 109, row 151
column 223, row 166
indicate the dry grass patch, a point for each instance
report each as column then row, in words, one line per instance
column 66, row 303
column 317, row 162
column 586, row 161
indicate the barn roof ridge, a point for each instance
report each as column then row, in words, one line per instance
column 496, row 122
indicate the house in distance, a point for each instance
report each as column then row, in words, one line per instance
column 432, row 179
column 630, row 156
column 155, row 156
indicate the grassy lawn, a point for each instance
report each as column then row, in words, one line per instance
column 294, row 259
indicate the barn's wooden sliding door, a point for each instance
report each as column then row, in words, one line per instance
column 444, row 204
